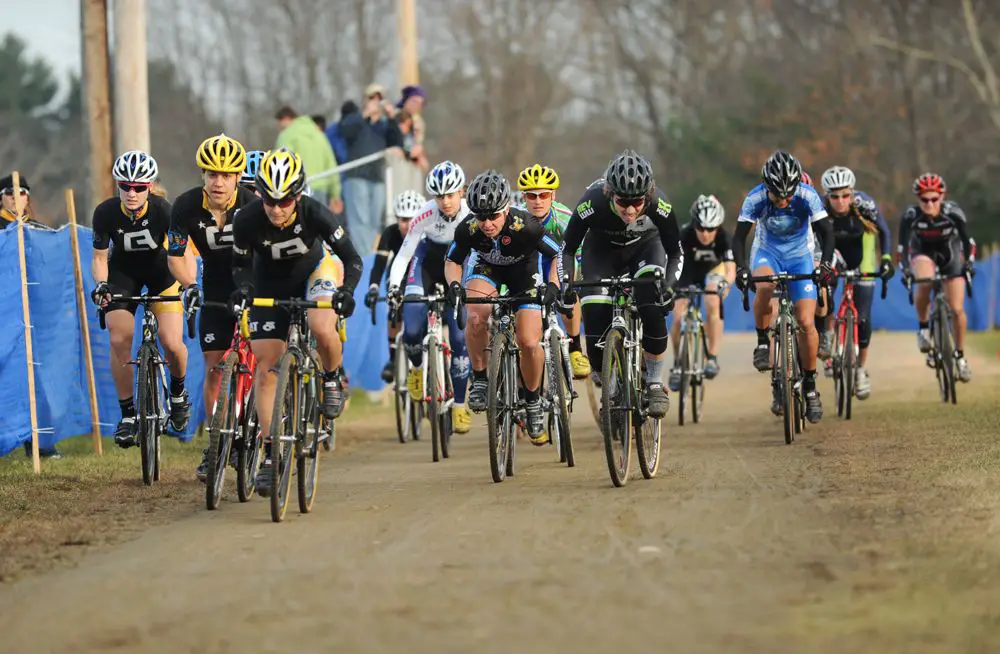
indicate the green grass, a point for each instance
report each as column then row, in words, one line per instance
column 987, row 343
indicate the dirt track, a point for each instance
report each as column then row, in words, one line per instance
column 877, row 536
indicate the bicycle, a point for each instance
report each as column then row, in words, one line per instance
column 786, row 371
column 234, row 425
column 409, row 414
column 558, row 388
column 942, row 354
column 297, row 426
column 845, row 341
column 623, row 413
column 693, row 353
column 151, row 385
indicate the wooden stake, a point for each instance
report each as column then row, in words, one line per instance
column 36, row 460
column 81, row 307
column 406, row 28
column 97, row 98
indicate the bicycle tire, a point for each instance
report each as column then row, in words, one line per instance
column 501, row 396
column 685, row 380
column 220, row 433
column 402, row 400
column 148, row 411
column 560, row 390
column 798, row 396
column 700, row 348
column 432, row 398
column 837, row 362
column 251, row 449
column 615, row 357
column 848, row 365
column 285, row 413
column 647, row 446
column 946, row 350
column 307, row 448
column 784, row 360
column 513, row 366
column 447, row 427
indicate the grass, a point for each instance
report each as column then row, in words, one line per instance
column 986, row 343
column 83, row 501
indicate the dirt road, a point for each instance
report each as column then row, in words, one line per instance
column 878, row 535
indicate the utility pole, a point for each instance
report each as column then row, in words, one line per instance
column 131, row 83
column 96, row 101
column 406, row 26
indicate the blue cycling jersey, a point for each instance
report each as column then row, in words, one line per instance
column 784, row 232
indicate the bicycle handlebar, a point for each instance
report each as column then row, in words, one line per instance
column 244, row 316
column 936, row 279
column 144, row 300
column 777, row 278
column 499, row 299
column 292, row 303
column 854, row 275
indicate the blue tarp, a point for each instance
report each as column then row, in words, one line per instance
column 60, row 371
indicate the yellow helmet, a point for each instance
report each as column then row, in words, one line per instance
column 537, row 176
column 281, row 174
column 221, row 154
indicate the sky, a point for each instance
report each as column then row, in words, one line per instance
column 51, row 29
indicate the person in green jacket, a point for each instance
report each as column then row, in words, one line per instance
column 300, row 134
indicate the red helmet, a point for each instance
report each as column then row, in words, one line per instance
column 806, row 179
column 929, row 182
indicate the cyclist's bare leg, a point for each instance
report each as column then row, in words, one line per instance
column 212, row 377
column 680, row 308
column 954, row 291
column 922, row 267
column 529, row 340
column 713, row 319
column 267, row 351
column 805, row 312
column 121, row 326
column 172, row 340
column 477, row 322
column 763, row 310
column 575, row 320
column 323, row 324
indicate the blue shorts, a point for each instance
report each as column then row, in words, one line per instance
column 800, row 265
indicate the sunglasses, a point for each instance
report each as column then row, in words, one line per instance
column 702, row 228
column 933, row 200
column 284, row 203
column 629, row 202
column 489, row 217
column 840, row 196
column 10, row 191
column 537, row 195
column 138, row 188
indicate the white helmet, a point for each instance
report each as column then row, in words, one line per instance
column 408, row 204
column 837, row 177
column 135, row 166
column 708, row 212
column 444, row 178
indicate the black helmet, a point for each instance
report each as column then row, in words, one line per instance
column 629, row 175
column 488, row 193
column 781, row 174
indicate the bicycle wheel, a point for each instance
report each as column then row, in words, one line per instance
column 449, row 393
column 284, row 422
column 798, row 395
column 500, row 405
column 848, row 365
column 683, row 389
column 251, row 447
column 434, row 397
column 945, row 345
column 221, row 432
column 699, row 350
column 616, row 412
column 559, row 389
column 647, row 446
column 513, row 367
column 837, row 359
column 307, row 449
column 783, row 361
column 403, row 401
column 147, row 381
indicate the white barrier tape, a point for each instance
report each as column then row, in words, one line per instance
column 348, row 166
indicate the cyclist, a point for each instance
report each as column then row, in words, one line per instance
column 856, row 222
column 708, row 264
column 406, row 207
column 278, row 253
column 204, row 216
column 507, row 243
column 935, row 233
column 130, row 232
column 630, row 228
column 785, row 211
column 421, row 259
column 249, row 175
column 538, row 185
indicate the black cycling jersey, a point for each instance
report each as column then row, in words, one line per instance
column 920, row 233
column 700, row 259
column 521, row 238
column 137, row 244
column 191, row 218
column 291, row 251
column 595, row 217
column 388, row 246
column 849, row 229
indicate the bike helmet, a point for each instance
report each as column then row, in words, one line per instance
column 538, row 177
column 281, row 174
column 929, row 182
column 135, row 166
column 630, row 175
column 708, row 212
column 488, row 193
column 445, row 178
column 254, row 157
column 781, row 174
column 408, row 204
column 221, row 154
column 838, row 177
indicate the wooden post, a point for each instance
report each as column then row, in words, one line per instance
column 96, row 90
column 81, row 304
column 36, row 460
column 131, row 83
column 406, row 26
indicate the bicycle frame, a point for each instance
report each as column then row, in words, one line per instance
column 246, row 361
column 847, row 303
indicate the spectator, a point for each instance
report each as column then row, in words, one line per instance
column 320, row 121
column 333, row 131
column 404, row 121
column 8, row 212
column 300, row 134
column 412, row 101
column 367, row 132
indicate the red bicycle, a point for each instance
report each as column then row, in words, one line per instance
column 234, row 418
column 845, row 344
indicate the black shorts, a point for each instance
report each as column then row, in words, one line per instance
column 216, row 326
column 319, row 282
column 157, row 280
column 701, row 275
column 601, row 261
column 947, row 255
column 521, row 277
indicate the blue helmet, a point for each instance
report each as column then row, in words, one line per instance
column 254, row 157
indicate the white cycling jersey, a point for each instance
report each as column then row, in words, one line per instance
column 429, row 224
